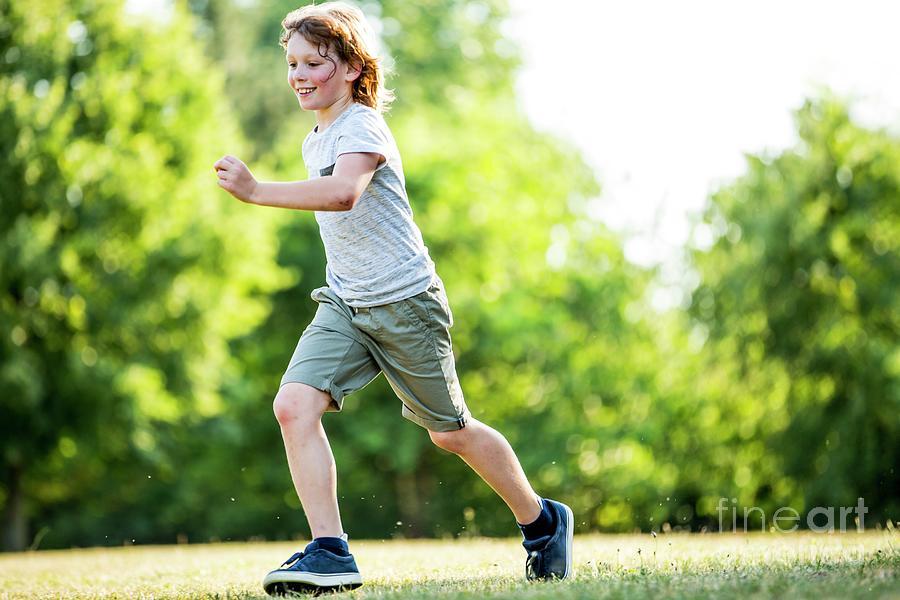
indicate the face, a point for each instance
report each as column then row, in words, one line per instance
column 317, row 81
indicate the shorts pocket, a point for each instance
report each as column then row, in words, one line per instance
column 411, row 310
column 440, row 295
column 439, row 319
column 406, row 335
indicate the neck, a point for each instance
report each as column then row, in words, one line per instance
column 326, row 116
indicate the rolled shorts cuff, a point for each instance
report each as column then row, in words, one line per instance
column 439, row 426
column 337, row 398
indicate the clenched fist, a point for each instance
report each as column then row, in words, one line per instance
column 235, row 178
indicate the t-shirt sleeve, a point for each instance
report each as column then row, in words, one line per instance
column 364, row 132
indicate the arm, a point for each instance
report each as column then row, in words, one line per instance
column 335, row 192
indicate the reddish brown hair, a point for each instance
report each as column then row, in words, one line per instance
column 341, row 28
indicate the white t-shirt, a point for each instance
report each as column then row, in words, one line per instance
column 375, row 253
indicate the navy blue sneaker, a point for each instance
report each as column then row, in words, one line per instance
column 313, row 571
column 550, row 557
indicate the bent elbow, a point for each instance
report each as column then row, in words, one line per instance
column 345, row 203
column 346, row 199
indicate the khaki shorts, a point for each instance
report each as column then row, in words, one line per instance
column 344, row 348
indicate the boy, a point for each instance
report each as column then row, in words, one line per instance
column 384, row 308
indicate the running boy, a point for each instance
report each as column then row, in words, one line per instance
column 384, row 308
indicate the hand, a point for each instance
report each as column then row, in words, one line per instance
column 235, row 178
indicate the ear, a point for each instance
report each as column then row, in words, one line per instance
column 354, row 70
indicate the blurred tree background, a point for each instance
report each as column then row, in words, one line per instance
column 146, row 317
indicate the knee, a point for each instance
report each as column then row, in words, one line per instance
column 451, row 441
column 300, row 402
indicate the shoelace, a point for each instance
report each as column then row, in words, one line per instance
column 533, row 564
column 294, row 558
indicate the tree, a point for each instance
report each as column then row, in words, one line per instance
column 801, row 286
column 124, row 271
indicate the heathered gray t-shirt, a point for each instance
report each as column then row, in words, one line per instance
column 375, row 253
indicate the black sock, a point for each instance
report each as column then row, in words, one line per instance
column 543, row 525
column 333, row 545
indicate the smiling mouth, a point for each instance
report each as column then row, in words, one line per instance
column 305, row 91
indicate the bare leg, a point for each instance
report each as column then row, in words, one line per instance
column 299, row 409
column 490, row 455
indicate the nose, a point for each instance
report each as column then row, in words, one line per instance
column 296, row 75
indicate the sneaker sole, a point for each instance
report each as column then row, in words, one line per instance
column 570, row 522
column 301, row 582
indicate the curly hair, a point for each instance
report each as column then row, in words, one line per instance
column 342, row 28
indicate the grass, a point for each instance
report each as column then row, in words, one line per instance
column 796, row 565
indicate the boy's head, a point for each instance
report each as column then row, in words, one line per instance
column 339, row 33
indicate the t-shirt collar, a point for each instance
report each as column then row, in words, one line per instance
column 347, row 110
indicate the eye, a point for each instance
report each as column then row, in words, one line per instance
column 313, row 64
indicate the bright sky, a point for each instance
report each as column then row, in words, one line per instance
column 663, row 98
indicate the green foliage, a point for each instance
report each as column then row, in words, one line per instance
column 146, row 318
column 124, row 274
column 799, row 298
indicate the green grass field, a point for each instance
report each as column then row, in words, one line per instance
column 797, row 565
